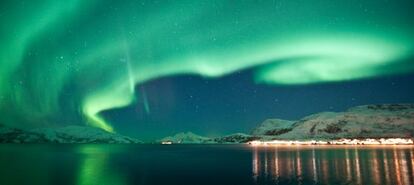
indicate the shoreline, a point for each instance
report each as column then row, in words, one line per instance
column 367, row 141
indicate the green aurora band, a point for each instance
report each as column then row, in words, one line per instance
column 64, row 62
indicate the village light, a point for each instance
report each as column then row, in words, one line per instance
column 368, row 141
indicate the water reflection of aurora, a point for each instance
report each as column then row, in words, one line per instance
column 99, row 52
column 94, row 166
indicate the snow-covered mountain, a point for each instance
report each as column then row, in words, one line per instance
column 186, row 138
column 368, row 121
column 69, row 134
column 191, row 138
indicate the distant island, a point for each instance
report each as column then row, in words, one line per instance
column 361, row 122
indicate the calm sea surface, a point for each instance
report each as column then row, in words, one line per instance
column 204, row 164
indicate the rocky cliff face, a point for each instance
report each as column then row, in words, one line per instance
column 70, row 134
column 368, row 121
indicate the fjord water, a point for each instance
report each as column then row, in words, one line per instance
column 205, row 164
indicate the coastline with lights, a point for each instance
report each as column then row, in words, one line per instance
column 368, row 141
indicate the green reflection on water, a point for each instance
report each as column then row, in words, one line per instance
column 93, row 168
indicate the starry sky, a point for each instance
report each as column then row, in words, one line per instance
column 235, row 103
column 152, row 68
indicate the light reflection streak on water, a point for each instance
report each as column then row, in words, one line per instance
column 277, row 174
column 315, row 172
column 397, row 167
column 336, row 167
column 325, row 171
column 351, row 165
column 265, row 163
column 386, row 167
column 348, row 165
column 298, row 167
column 357, row 167
column 375, row 172
column 255, row 164
column 404, row 167
column 412, row 165
column 290, row 165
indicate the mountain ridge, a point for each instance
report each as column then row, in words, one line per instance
column 364, row 121
column 66, row 135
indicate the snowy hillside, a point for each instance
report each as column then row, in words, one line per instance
column 70, row 134
column 368, row 121
column 235, row 138
column 186, row 138
column 191, row 138
column 273, row 127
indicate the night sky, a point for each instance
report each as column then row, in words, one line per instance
column 153, row 68
column 235, row 103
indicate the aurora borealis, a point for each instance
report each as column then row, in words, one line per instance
column 67, row 62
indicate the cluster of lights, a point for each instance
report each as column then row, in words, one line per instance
column 382, row 141
column 166, row 142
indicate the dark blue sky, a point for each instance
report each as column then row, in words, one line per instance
column 235, row 103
